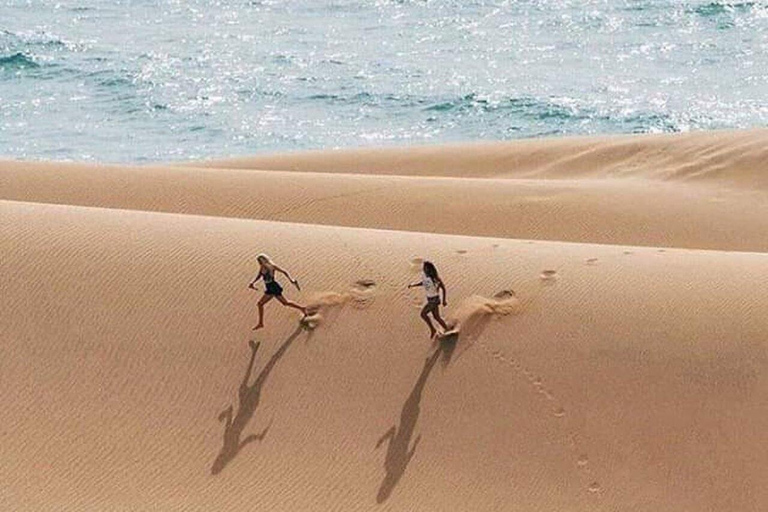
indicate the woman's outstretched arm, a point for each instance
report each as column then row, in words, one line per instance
column 288, row 275
column 415, row 285
column 284, row 272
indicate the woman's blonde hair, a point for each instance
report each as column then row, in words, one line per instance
column 265, row 257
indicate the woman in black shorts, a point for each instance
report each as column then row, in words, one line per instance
column 267, row 271
column 432, row 285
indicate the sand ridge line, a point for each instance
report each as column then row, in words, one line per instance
column 583, row 208
column 731, row 156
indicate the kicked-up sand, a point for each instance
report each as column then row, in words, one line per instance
column 611, row 296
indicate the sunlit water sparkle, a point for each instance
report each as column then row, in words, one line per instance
column 149, row 80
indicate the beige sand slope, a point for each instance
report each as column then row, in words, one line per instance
column 617, row 202
column 736, row 157
column 633, row 378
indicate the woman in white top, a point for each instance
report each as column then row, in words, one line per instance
column 432, row 285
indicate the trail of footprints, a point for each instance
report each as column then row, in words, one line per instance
column 556, row 408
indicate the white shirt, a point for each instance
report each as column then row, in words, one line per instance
column 430, row 286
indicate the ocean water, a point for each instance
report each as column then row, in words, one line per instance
column 154, row 80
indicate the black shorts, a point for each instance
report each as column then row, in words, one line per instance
column 433, row 302
column 274, row 288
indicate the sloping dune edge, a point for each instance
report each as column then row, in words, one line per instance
column 638, row 206
column 737, row 157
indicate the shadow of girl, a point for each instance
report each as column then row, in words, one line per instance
column 399, row 450
column 249, row 397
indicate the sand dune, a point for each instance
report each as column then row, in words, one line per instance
column 585, row 377
column 623, row 211
column 737, row 157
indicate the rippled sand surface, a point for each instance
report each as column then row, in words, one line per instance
column 608, row 294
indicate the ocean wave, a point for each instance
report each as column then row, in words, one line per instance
column 522, row 115
column 368, row 99
column 714, row 9
column 24, row 40
column 17, row 61
column 652, row 122
column 526, row 106
column 529, row 115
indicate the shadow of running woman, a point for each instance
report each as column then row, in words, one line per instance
column 249, row 397
column 399, row 451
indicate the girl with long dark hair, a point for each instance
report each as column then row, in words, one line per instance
column 432, row 284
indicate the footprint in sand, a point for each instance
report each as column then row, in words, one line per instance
column 362, row 293
column 627, row 252
column 461, row 251
column 365, row 284
column 594, row 487
column 559, row 412
column 504, row 294
column 582, row 461
column 591, row 261
column 548, row 276
column 662, row 250
column 311, row 321
column 495, row 246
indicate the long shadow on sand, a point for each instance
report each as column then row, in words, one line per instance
column 249, row 397
column 399, row 451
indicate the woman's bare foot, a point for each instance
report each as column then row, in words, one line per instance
column 258, row 327
column 432, row 334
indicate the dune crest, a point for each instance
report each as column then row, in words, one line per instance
column 737, row 157
column 695, row 191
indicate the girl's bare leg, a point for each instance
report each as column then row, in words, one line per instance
column 424, row 311
column 286, row 302
column 264, row 299
column 436, row 314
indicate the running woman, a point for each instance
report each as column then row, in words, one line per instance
column 267, row 270
column 432, row 284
